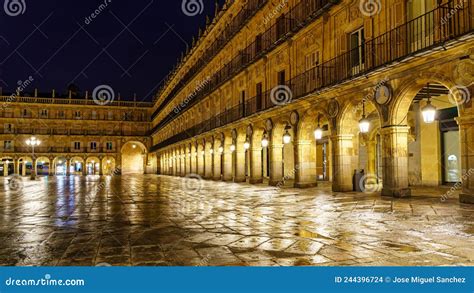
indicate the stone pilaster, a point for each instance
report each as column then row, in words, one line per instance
column 208, row 162
column 217, row 164
column 256, row 165
column 395, row 161
column 227, row 160
column 342, row 162
column 276, row 163
column 466, row 133
column 305, row 166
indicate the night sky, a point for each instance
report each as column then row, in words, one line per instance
column 130, row 46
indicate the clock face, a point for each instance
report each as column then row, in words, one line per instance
column 383, row 95
column 333, row 108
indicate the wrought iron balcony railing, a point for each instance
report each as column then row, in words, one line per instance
column 281, row 30
column 428, row 31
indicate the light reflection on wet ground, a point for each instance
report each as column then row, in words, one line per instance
column 152, row 220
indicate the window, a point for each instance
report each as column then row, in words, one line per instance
column 61, row 114
column 258, row 44
column 312, row 60
column 94, row 115
column 127, row 116
column 281, row 77
column 77, row 145
column 280, row 26
column 357, row 50
column 8, row 128
column 77, row 114
column 110, row 115
column 44, row 113
column 109, row 145
column 24, row 113
column 93, row 145
column 7, row 145
column 259, row 96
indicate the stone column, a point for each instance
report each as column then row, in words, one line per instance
column 395, row 161
column 15, row 166
column 101, row 167
column 189, row 169
column 342, row 155
column 305, row 164
column 217, row 164
column 84, row 167
column 256, row 164
column 200, row 160
column 228, row 156
column 240, row 155
column 23, row 170
column 276, row 163
column 5, row 169
column 466, row 132
column 193, row 160
column 208, row 161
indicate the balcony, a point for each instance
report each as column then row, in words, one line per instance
column 57, row 150
column 390, row 47
column 284, row 27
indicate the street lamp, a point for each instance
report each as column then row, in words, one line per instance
column 232, row 148
column 247, row 143
column 364, row 123
column 265, row 140
column 33, row 142
column 318, row 133
column 287, row 136
column 429, row 111
column 221, row 149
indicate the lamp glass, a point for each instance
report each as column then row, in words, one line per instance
column 286, row 138
column 429, row 113
column 318, row 133
column 364, row 125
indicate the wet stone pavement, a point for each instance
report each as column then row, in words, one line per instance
column 164, row 221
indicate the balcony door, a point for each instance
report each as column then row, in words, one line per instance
column 420, row 29
column 357, row 51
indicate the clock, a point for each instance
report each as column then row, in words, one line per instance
column 333, row 108
column 383, row 95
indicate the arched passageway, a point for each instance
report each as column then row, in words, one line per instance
column 133, row 158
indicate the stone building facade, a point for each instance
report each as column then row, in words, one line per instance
column 285, row 92
column 244, row 104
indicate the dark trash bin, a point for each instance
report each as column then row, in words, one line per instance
column 359, row 181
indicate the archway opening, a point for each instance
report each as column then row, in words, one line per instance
column 7, row 167
column 77, row 165
column 108, row 166
column 60, row 165
column 434, row 145
column 42, row 166
column 133, row 158
column 359, row 154
column 92, row 166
